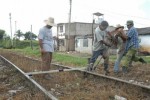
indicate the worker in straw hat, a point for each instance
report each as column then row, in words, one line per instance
column 45, row 38
column 121, row 42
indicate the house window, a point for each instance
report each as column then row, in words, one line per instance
column 61, row 28
column 77, row 42
column 85, row 42
column 61, row 42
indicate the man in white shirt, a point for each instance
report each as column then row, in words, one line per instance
column 46, row 43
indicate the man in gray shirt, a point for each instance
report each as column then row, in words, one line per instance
column 101, row 46
column 46, row 43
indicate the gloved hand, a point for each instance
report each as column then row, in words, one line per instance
column 124, row 53
column 107, row 44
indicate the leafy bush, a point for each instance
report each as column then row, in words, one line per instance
column 6, row 43
column 23, row 44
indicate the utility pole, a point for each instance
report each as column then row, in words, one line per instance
column 69, row 25
column 15, row 34
column 11, row 30
column 15, row 26
column 31, row 44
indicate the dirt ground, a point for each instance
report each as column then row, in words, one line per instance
column 73, row 86
column 15, row 87
column 138, row 72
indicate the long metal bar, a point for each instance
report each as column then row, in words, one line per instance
column 33, row 81
column 54, row 71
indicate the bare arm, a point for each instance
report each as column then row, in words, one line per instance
column 123, row 35
column 106, row 43
column 41, row 45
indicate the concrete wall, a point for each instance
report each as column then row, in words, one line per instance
column 84, row 49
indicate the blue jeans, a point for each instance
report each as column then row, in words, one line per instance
column 119, row 56
column 118, row 60
column 104, row 53
column 95, row 55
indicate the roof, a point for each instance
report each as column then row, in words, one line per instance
column 144, row 31
column 74, row 22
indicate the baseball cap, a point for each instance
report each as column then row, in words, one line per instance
column 129, row 22
column 104, row 24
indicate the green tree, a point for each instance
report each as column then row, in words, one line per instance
column 27, row 36
column 7, row 42
column 2, row 32
column 19, row 34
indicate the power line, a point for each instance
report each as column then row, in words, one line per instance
column 123, row 18
column 129, row 15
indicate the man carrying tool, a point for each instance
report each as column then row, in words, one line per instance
column 132, row 46
column 46, row 44
column 100, row 46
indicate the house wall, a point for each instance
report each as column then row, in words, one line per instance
column 82, row 49
column 72, row 29
column 71, row 43
column 62, row 44
column 76, row 29
column 59, row 32
column 83, row 28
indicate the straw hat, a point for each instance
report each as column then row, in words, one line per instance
column 50, row 21
column 119, row 26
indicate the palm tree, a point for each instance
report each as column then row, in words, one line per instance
column 19, row 34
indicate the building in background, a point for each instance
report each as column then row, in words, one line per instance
column 80, row 36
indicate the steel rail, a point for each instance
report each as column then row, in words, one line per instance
column 100, row 75
column 53, row 71
column 109, row 77
column 105, row 76
column 31, row 80
column 119, row 80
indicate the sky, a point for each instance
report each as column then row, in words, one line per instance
column 33, row 12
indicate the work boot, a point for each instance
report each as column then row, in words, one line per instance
column 48, row 77
column 116, row 72
column 124, row 69
column 90, row 67
column 106, row 69
column 142, row 61
column 106, row 72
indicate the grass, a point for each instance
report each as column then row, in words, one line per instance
column 28, row 51
column 57, row 57
column 66, row 59
column 69, row 59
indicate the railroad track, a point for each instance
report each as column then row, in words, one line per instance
column 8, row 66
column 70, row 84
